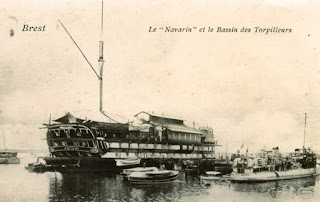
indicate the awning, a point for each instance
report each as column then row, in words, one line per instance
column 183, row 128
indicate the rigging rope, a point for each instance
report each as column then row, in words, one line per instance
column 79, row 49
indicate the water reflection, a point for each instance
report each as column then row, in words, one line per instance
column 17, row 184
column 87, row 187
column 97, row 187
column 94, row 187
column 185, row 186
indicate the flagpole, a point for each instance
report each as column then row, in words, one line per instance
column 247, row 151
column 227, row 151
column 241, row 148
column 4, row 141
column 304, row 132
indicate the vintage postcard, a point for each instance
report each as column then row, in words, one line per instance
column 159, row 100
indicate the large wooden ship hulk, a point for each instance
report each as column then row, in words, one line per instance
column 151, row 140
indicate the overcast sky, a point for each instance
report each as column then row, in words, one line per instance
column 251, row 88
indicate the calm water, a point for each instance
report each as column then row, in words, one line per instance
column 17, row 184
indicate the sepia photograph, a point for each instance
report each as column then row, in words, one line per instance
column 183, row 100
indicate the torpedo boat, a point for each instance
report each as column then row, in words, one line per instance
column 272, row 166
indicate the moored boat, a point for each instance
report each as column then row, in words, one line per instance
column 7, row 157
column 35, row 167
column 127, row 162
column 153, row 177
column 211, row 175
column 275, row 175
column 272, row 166
column 126, row 172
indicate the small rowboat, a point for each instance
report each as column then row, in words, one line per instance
column 153, row 177
column 211, row 175
column 127, row 162
column 126, row 172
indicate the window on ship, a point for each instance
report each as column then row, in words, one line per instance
column 72, row 133
column 78, row 132
column 57, row 133
column 90, row 143
column 84, row 133
column 69, row 143
column 177, row 136
column 62, row 133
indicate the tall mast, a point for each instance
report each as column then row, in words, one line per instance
column 101, row 62
column 304, row 132
column 4, row 142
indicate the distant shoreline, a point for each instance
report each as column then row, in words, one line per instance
column 24, row 151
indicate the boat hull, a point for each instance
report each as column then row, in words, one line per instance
column 11, row 160
column 93, row 164
column 148, row 180
column 97, row 164
column 126, row 172
column 127, row 162
column 275, row 175
column 210, row 178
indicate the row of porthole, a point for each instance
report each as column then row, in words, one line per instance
column 80, row 143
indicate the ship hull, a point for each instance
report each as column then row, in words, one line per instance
column 145, row 179
column 96, row 164
column 10, row 160
column 275, row 175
